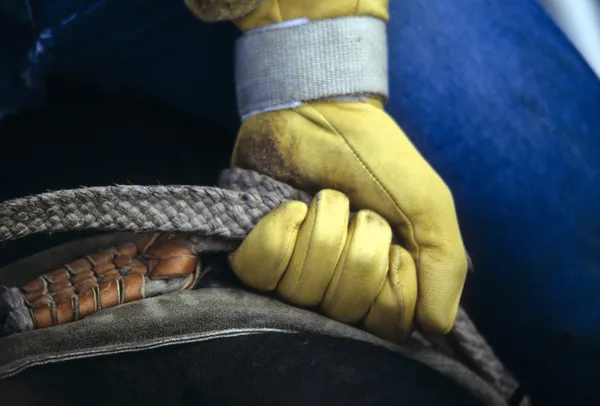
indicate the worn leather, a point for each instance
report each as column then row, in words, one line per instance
column 276, row 11
column 358, row 149
column 312, row 258
column 109, row 278
column 218, row 10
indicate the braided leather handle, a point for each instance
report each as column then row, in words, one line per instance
column 112, row 277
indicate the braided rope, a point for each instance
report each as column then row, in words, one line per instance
column 471, row 344
column 207, row 211
column 227, row 215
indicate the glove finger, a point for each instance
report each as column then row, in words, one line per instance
column 392, row 314
column 442, row 273
column 264, row 255
column 421, row 210
column 361, row 271
column 318, row 248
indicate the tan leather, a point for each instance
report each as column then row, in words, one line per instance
column 321, row 257
column 219, row 10
column 277, row 11
column 109, row 278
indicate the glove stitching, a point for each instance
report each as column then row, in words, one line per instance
column 411, row 228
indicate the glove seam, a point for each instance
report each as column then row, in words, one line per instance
column 396, row 205
column 375, row 179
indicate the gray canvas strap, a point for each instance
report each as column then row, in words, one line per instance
column 284, row 65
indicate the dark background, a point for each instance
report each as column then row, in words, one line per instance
column 80, row 137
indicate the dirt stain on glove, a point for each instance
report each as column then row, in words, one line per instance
column 220, row 10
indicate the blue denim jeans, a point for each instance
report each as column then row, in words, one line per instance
column 490, row 91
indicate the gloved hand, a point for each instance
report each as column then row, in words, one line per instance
column 311, row 258
column 356, row 148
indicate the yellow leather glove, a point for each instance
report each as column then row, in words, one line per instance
column 358, row 149
column 311, row 258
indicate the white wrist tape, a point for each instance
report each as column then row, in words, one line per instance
column 282, row 66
